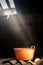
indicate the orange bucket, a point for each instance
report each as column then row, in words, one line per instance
column 24, row 53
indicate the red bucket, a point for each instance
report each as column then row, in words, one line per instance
column 24, row 53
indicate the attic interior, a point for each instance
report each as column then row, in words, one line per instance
column 22, row 30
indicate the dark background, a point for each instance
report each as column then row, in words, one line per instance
column 33, row 17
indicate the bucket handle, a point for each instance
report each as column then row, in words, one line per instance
column 33, row 47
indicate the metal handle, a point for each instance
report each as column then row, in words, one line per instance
column 33, row 46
